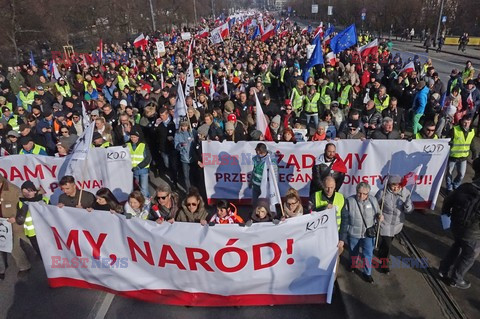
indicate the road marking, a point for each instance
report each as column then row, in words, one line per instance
column 101, row 311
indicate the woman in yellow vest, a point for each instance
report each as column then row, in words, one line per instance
column 141, row 159
column 30, row 195
column 468, row 72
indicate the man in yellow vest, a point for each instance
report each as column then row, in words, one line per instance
column 13, row 120
column 427, row 132
column 312, row 99
column 28, row 147
column 381, row 99
column 30, row 195
column 329, row 198
column 298, row 97
column 141, row 159
column 326, row 93
column 461, row 144
column 99, row 141
column 26, row 97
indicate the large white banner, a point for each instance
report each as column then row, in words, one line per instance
column 105, row 167
column 187, row 263
column 228, row 166
column 6, row 236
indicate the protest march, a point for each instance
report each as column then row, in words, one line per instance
column 279, row 149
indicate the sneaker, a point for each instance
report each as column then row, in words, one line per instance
column 367, row 278
column 461, row 284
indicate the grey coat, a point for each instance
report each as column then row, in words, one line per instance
column 352, row 224
column 394, row 209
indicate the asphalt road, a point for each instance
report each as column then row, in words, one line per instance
column 21, row 298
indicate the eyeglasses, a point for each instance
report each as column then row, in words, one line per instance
column 363, row 194
column 20, row 110
column 192, row 204
column 292, row 203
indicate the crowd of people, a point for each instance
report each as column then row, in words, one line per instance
column 133, row 100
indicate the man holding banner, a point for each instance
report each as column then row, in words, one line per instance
column 259, row 169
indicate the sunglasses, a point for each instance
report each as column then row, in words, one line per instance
column 192, row 204
column 64, row 132
column 163, row 197
column 31, row 121
column 289, row 109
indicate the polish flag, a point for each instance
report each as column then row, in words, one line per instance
column 262, row 125
column 269, row 32
column 283, row 33
column 140, row 41
column 319, row 31
column 203, row 34
column 331, row 58
column 304, row 30
column 190, row 48
column 369, row 48
column 224, row 30
column 410, row 67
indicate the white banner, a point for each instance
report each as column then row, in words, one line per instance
column 186, row 35
column 216, row 36
column 6, row 236
column 228, row 166
column 160, row 48
column 189, row 264
column 105, row 167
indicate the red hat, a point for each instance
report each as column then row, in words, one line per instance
column 288, row 102
column 232, row 118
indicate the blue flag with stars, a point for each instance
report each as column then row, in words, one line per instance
column 315, row 58
column 329, row 31
column 344, row 39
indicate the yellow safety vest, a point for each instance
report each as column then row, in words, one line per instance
column 297, row 99
column 13, row 121
column 123, row 82
column 311, row 105
column 338, row 201
column 65, row 90
column 137, row 154
column 460, row 144
column 325, row 98
column 419, row 136
column 466, row 75
column 28, row 227
column 379, row 105
column 86, row 83
column 27, row 100
column 282, row 74
column 9, row 105
column 36, row 150
column 343, row 100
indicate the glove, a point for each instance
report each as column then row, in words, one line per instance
column 249, row 223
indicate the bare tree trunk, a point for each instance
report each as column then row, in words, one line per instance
column 13, row 35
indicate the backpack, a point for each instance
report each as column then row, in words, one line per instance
column 468, row 212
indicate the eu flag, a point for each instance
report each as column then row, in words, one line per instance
column 329, row 31
column 32, row 60
column 344, row 39
column 316, row 58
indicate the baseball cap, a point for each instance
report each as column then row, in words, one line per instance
column 29, row 185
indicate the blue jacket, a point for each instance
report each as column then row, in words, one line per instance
column 49, row 136
column 420, row 101
column 108, row 92
column 183, row 143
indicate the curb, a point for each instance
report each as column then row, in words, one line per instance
column 452, row 53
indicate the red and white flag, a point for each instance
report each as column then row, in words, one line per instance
column 368, row 49
column 3, row 152
column 319, row 31
column 224, row 30
column 331, row 58
column 410, row 67
column 261, row 120
column 269, row 32
column 191, row 46
column 140, row 41
column 284, row 33
column 203, row 33
column 304, row 30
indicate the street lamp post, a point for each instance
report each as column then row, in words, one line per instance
column 153, row 16
column 439, row 20
column 195, row 10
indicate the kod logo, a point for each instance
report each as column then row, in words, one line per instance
column 316, row 223
column 433, row 148
column 116, row 155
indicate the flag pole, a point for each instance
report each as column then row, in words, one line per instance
column 383, row 201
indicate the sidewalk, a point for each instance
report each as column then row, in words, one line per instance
column 471, row 52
